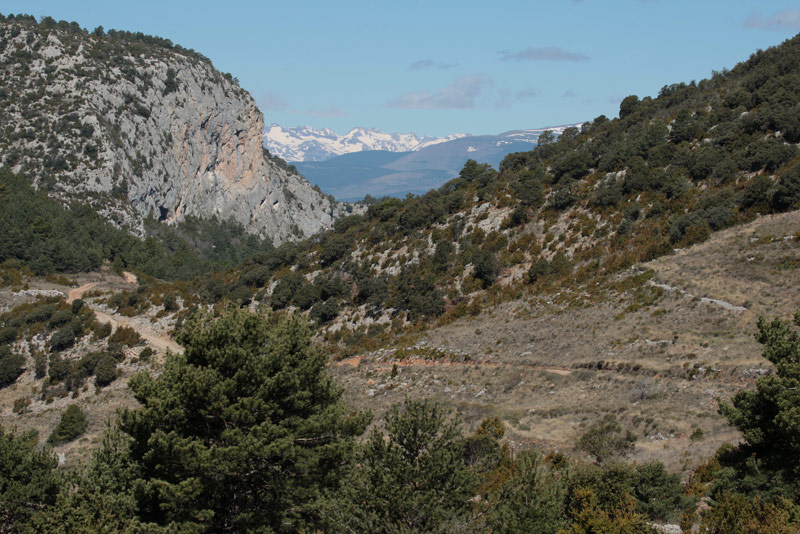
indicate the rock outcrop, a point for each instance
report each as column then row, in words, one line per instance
column 138, row 128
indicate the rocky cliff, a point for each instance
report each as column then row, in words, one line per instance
column 139, row 127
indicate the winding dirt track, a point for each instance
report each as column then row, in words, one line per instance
column 158, row 342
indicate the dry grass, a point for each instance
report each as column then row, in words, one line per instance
column 658, row 359
column 551, row 365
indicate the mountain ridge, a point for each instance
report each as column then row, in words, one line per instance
column 304, row 143
column 351, row 176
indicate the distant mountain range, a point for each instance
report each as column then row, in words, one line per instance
column 304, row 143
column 407, row 165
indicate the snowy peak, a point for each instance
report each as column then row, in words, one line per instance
column 304, row 143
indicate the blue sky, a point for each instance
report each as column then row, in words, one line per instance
column 439, row 67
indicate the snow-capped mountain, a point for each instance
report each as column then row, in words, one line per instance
column 304, row 143
column 381, row 172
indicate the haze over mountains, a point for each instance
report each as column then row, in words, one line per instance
column 369, row 162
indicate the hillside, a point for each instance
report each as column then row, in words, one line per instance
column 659, row 345
column 138, row 127
column 597, row 298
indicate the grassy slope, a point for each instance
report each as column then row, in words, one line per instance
column 666, row 360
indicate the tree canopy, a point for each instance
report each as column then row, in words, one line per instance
column 769, row 419
column 241, row 432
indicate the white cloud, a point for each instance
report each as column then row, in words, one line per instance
column 462, row 94
column 271, row 102
column 787, row 20
column 423, row 64
column 548, row 53
column 530, row 92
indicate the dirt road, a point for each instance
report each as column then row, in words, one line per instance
column 78, row 292
column 158, row 342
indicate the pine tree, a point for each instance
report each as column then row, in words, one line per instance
column 413, row 478
column 241, row 432
column 29, row 482
column 769, row 419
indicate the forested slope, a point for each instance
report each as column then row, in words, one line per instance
column 697, row 158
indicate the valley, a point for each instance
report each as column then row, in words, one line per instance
column 592, row 328
column 550, row 365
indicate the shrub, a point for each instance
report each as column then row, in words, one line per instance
column 606, row 440
column 170, row 303
column 20, row 404
column 11, row 366
column 486, row 268
column 540, row 268
column 39, row 365
column 324, row 312
column 8, row 334
column 59, row 368
column 733, row 514
column 125, row 335
column 306, row 296
column 60, row 318
column 77, row 304
column 72, row 424
column 40, row 314
column 105, row 371
column 102, row 330
column 62, row 339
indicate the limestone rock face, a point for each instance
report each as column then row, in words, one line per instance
column 144, row 129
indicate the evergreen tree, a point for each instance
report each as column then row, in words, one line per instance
column 29, row 482
column 72, row 424
column 241, row 432
column 533, row 499
column 413, row 478
column 769, row 420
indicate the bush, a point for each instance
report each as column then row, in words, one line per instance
column 787, row 193
column 606, row 440
column 39, row 365
column 324, row 312
column 60, row 318
column 20, row 404
column 486, row 268
column 62, row 339
column 77, row 305
column 105, row 371
column 11, row 366
column 539, row 269
column 8, row 335
column 40, row 314
column 170, row 303
column 102, row 330
column 734, row 514
column 72, row 424
column 59, row 368
column 125, row 335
